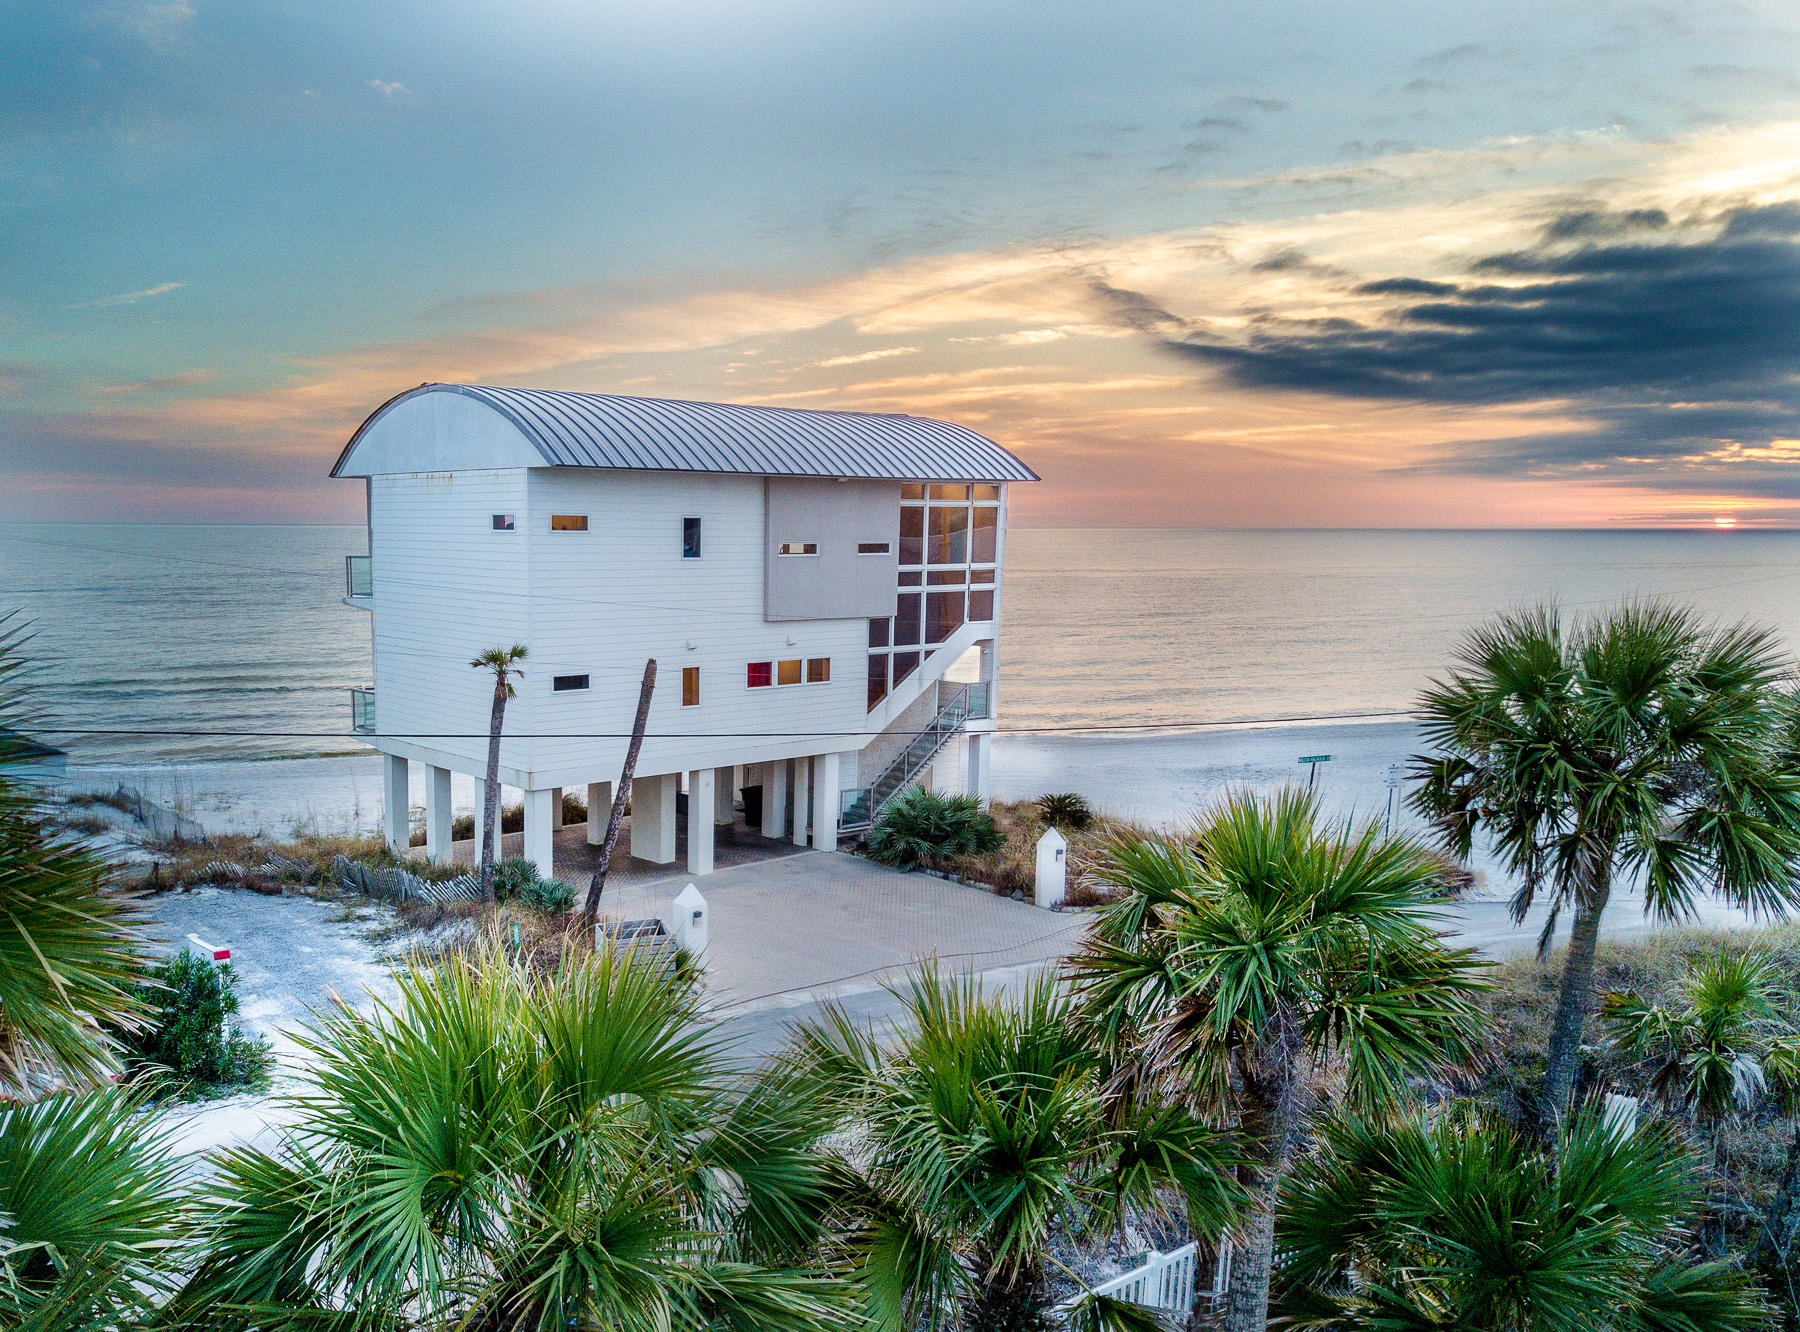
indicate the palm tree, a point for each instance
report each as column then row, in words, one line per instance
column 1642, row 743
column 1262, row 949
column 89, row 1213
column 70, row 957
column 981, row 1127
column 509, row 1150
column 504, row 663
column 1466, row 1222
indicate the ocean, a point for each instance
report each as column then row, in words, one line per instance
column 167, row 644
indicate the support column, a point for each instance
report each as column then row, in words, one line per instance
column 437, row 814
column 724, row 796
column 396, row 804
column 540, row 833
column 775, row 796
column 825, row 802
column 556, row 819
column 946, row 768
column 653, row 817
column 599, row 811
column 980, row 742
column 701, row 799
column 802, row 791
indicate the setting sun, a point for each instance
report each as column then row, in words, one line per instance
column 1724, row 520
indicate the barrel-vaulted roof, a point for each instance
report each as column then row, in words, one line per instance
column 656, row 434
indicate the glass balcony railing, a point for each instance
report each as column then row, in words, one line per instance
column 362, row 710
column 359, row 576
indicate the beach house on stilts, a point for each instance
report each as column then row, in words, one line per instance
column 804, row 580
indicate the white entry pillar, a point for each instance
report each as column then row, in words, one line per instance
column 556, row 819
column 724, row 796
column 540, row 832
column 437, row 814
column 599, row 811
column 775, row 793
column 701, row 782
column 980, row 743
column 802, row 792
column 396, row 804
column 653, row 817
column 825, row 802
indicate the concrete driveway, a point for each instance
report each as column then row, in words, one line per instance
column 787, row 932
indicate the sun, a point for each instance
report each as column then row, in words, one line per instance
column 1724, row 520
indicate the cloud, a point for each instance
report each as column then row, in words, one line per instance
column 160, row 383
column 1666, row 358
column 857, row 358
column 129, row 297
column 159, row 24
column 393, row 92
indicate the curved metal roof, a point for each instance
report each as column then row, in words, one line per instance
column 658, row 434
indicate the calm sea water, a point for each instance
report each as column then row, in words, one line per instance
column 169, row 629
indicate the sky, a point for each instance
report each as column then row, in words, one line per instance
column 1296, row 263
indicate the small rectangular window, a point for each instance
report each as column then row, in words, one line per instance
column 878, row 633
column 987, row 494
column 759, row 674
column 503, row 522
column 907, row 615
column 690, row 686
column 912, row 535
column 981, row 605
column 568, row 522
column 798, row 548
column 874, row 547
column 910, row 577
column 690, row 538
column 950, row 492
column 562, row 684
column 818, row 670
column 981, row 575
column 877, row 679
column 912, row 491
column 787, row 672
column 946, row 577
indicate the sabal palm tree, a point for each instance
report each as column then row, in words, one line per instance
column 978, row 1128
column 1643, row 744
column 1264, row 948
column 70, row 955
column 1466, row 1222
column 503, row 662
column 506, row 1150
column 90, row 1213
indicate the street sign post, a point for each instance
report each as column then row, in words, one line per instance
column 1393, row 786
column 1312, row 762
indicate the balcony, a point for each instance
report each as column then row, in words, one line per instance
column 362, row 710
column 359, row 577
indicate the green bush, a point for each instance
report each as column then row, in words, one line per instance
column 921, row 827
column 190, row 1035
column 1065, row 811
column 518, row 878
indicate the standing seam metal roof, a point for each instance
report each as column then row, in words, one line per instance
column 662, row 435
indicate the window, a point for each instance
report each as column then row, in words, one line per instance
column 759, row 675
column 943, row 615
column 909, row 577
column 690, row 686
column 981, row 605
column 877, row 679
column 818, row 670
column 950, row 493
column 912, row 491
column 568, row 522
column 787, row 672
column 874, row 547
column 988, row 494
column 690, row 538
column 983, row 538
column 906, row 620
column 905, row 663
column 949, row 537
column 503, row 522
column 947, row 577
column 981, row 575
column 912, row 535
column 562, row 684
column 878, row 633
column 797, row 548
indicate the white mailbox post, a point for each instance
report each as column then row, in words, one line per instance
column 690, row 920
column 1052, row 869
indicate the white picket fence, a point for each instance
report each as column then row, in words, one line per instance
column 1164, row 1281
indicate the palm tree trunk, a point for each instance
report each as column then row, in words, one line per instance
column 1775, row 1242
column 621, row 797
column 490, row 800
column 1253, row 1254
column 1271, row 1127
column 1571, row 1011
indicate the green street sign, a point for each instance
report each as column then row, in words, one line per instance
column 1316, row 758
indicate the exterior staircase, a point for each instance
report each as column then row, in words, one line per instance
column 861, row 806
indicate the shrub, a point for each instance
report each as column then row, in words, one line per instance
column 190, row 1035
column 1065, row 811
column 924, row 828
column 518, row 878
